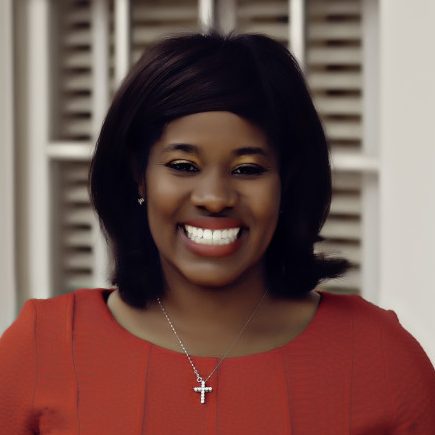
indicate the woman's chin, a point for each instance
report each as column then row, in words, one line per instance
column 211, row 277
column 209, row 282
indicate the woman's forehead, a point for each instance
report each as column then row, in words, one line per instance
column 212, row 128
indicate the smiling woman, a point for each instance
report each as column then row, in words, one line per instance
column 212, row 182
column 212, row 190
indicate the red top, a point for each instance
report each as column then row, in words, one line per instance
column 68, row 367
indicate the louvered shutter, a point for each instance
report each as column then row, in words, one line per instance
column 72, row 214
column 150, row 20
column 75, row 259
column 334, row 73
column 74, row 71
column 268, row 17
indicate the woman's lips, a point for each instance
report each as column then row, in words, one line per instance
column 210, row 250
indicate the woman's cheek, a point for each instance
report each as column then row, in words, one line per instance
column 266, row 201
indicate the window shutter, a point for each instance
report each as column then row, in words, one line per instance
column 270, row 18
column 74, row 264
column 151, row 20
column 334, row 74
column 74, row 71
column 71, row 136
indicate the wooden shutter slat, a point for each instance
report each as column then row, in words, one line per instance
column 77, row 127
column 346, row 204
column 263, row 10
column 344, row 229
column 349, row 130
column 332, row 7
column 341, row 105
column 78, row 260
column 77, row 105
column 275, row 30
column 345, row 31
column 324, row 56
column 165, row 13
column 339, row 81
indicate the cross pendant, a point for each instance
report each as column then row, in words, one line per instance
column 202, row 389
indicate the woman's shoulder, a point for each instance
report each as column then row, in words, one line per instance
column 385, row 352
column 66, row 300
column 37, row 313
column 371, row 324
column 358, row 309
column 68, row 297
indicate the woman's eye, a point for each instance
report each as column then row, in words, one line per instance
column 182, row 166
column 249, row 170
column 190, row 168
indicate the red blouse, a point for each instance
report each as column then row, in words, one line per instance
column 68, row 367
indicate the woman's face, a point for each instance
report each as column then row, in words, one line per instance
column 212, row 192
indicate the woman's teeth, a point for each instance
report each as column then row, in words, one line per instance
column 211, row 237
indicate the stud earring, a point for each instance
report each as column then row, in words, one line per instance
column 140, row 200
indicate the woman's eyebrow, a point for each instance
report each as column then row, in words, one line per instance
column 185, row 147
column 193, row 149
column 250, row 151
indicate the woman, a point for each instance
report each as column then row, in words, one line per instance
column 212, row 182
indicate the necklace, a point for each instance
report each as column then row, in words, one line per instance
column 204, row 388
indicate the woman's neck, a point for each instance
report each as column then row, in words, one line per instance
column 222, row 309
column 208, row 319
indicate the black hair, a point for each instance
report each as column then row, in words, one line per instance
column 252, row 76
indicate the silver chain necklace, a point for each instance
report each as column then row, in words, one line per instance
column 204, row 388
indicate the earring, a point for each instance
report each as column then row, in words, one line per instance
column 140, row 200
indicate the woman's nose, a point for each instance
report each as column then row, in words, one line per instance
column 214, row 192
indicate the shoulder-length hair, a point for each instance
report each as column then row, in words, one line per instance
column 252, row 76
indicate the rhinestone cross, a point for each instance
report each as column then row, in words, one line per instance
column 202, row 389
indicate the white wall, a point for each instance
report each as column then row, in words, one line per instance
column 407, row 183
column 7, row 251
